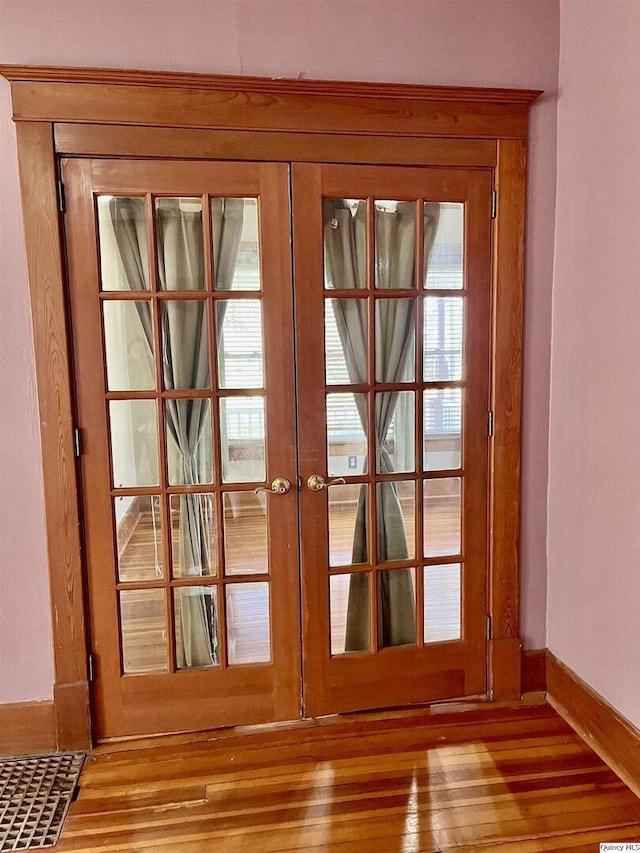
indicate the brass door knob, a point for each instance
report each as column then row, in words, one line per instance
column 317, row 482
column 279, row 486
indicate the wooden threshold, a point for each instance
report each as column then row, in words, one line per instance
column 424, row 711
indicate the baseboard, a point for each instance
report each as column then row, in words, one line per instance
column 606, row 731
column 534, row 670
column 27, row 728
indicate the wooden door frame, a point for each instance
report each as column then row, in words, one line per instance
column 110, row 113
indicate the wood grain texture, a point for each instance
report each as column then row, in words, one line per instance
column 504, row 668
column 27, row 728
column 45, row 265
column 602, row 727
column 483, row 779
column 72, row 714
column 183, row 143
column 246, row 109
column 507, row 405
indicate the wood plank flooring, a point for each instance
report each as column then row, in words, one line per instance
column 464, row 778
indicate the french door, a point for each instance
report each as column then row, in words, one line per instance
column 392, row 410
column 273, row 532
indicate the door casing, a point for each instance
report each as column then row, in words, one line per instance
column 84, row 112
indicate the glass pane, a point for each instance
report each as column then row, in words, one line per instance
column 395, row 340
column 248, row 631
column 239, row 325
column 242, row 439
column 350, row 613
column 443, row 336
column 348, row 524
column 396, row 607
column 129, row 346
column 193, row 535
column 345, row 328
column 122, row 229
column 234, row 224
column 442, row 603
column 180, row 243
column 245, row 533
column 139, row 537
column 395, row 244
column 143, row 630
column 345, row 243
column 185, row 344
column 398, row 451
column 196, row 626
column 134, row 442
column 189, row 447
column 396, row 520
column 442, row 516
column 442, row 428
column 346, row 440
column 444, row 245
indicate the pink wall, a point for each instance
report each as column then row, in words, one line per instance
column 25, row 644
column 594, row 487
column 457, row 42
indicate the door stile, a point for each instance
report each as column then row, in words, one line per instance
column 476, row 488
column 281, row 435
column 314, row 554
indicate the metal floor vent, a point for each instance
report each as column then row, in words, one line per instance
column 35, row 794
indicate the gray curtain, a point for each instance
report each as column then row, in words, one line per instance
column 185, row 361
column 346, row 261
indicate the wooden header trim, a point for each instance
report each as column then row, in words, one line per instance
column 175, row 100
column 268, row 85
column 186, row 143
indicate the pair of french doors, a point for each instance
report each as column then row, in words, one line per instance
column 282, row 380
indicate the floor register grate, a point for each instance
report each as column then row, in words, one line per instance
column 35, row 794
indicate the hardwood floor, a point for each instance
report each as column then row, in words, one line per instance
column 471, row 778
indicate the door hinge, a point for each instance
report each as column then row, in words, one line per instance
column 490, row 424
column 62, row 199
column 77, row 442
column 489, row 626
column 494, row 204
column 91, row 668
